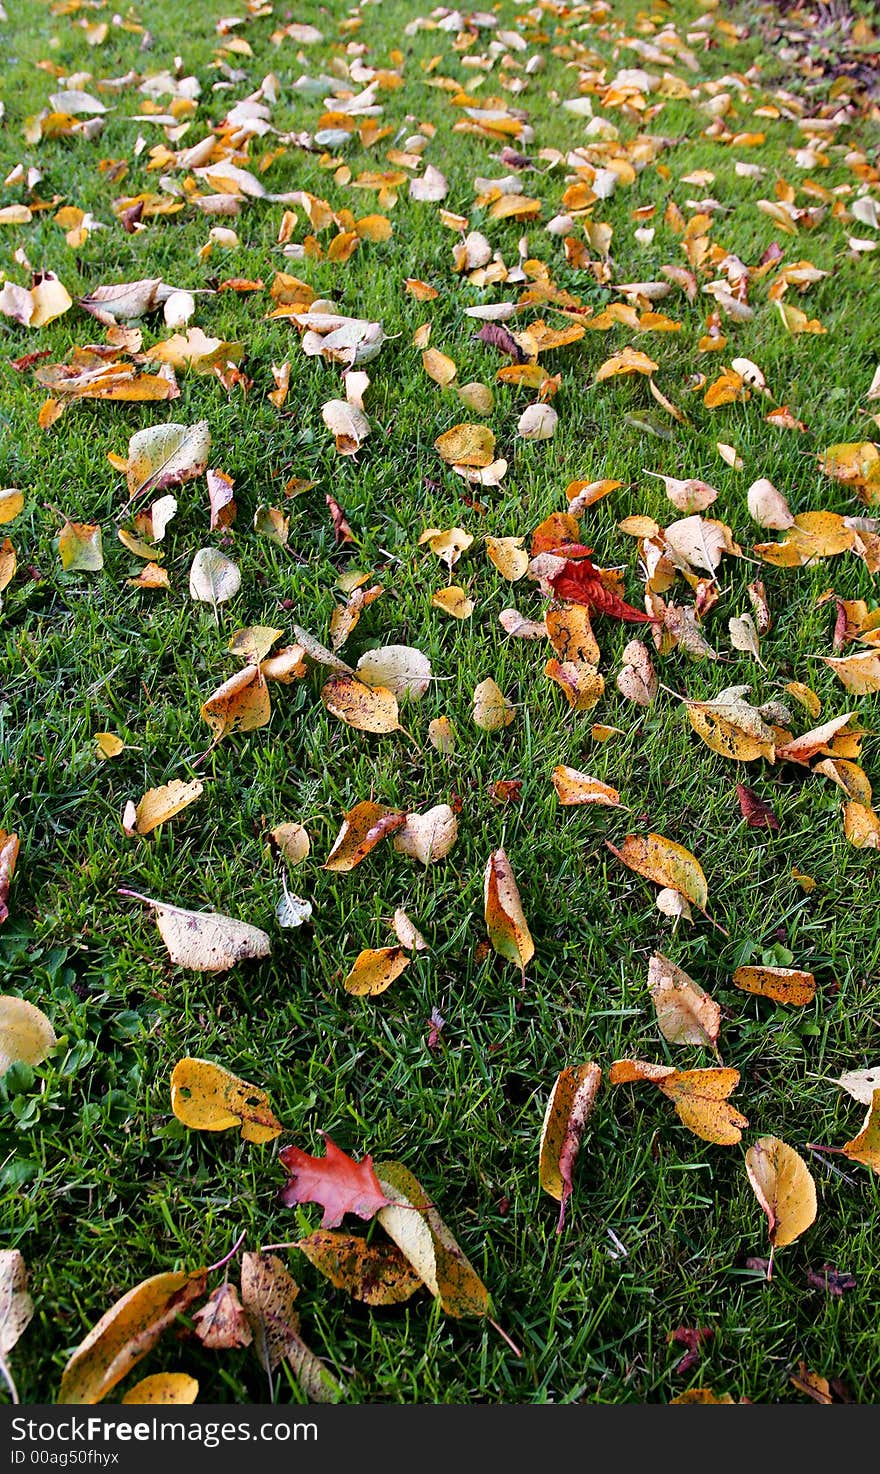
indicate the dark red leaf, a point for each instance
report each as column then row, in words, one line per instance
column 29, row 359
column 757, row 813
column 339, row 1183
column 840, row 626
column 506, row 791
column 835, row 1281
column 693, row 1337
column 496, row 335
column 580, row 583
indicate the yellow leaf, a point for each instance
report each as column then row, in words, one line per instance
column 571, row 634
column 375, row 970
column 582, row 685
column 782, row 984
column 126, row 1333
column 861, row 825
column 438, row 367
column 26, row 1036
column 366, row 708
column 509, row 556
column 377, row 1274
column 206, row 1097
column 628, row 361
column 362, row 829
column 467, row 445
column 666, row 863
column 79, row 547
column 453, row 601
column 573, row 787
column 491, row 707
column 11, row 503
column 685, row 1012
column 448, row 543
column 50, row 299
column 412, row 1221
column 442, row 735
column 569, row 1108
column 865, row 1147
column 505, row 922
column 241, row 704
column 160, row 804
column 164, row 1388
column 699, row 1395
column 732, row 728
column 699, row 1096
column 859, row 673
column 166, row 455
column 783, row 1185
column 108, row 744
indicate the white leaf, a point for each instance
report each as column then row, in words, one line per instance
column 401, row 668
column 213, row 578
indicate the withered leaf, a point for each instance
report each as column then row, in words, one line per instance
column 569, row 1108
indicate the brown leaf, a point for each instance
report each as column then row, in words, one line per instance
column 221, row 1323
column 757, row 813
column 377, row 1274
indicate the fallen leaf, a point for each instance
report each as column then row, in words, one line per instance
column 164, row 1389
column 16, row 1309
column 158, row 805
column 221, row 1323
column 509, row 556
column 782, row 984
column 757, row 813
column 367, row 708
column 505, row 922
column 377, row 1274
column 861, row 1084
column 205, row 941
column 336, row 1181
column 466, row 445
column 206, row 1097
column 374, row 971
column 581, row 583
column 241, row 704
column 573, row 787
column 79, row 547
column 123, row 1336
column 731, row 727
column 491, row 708
column 697, row 1396
column 428, row 837
column 666, row 863
column 859, row 673
column 699, row 1096
column 399, row 668
column 9, row 846
column 453, row 601
column 26, row 1035
column 784, row 1187
column 166, row 455
column 268, row 1295
column 569, row 1108
column 865, row 1147
column 412, row 1221
column 637, row 679
column 362, row 829
column 213, row 578
column 685, row 1012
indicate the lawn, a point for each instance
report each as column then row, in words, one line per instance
column 102, row 1186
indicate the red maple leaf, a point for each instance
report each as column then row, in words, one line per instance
column 339, row 1183
column 581, row 583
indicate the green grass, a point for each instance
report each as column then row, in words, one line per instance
column 101, row 1185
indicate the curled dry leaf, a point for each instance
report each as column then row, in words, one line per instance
column 699, row 1096
column 221, row 1323
column 861, row 1084
column 573, row 787
column 347, row 423
column 205, row 941
column 362, row 829
column 428, row 837
column 26, row 1034
column 407, row 934
column 568, row 1110
column 158, row 805
column 269, row 1294
column 453, row 601
column 666, row 863
column 509, row 556
column 16, row 1309
column 400, row 668
column 757, row 813
column 637, row 680
column 336, row 1181
column 126, row 1333
column 505, row 921
column 802, row 749
column 166, row 455
column 206, row 1097
column 768, row 506
column 9, row 846
column 782, row 984
column 366, row 708
column 163, row 1389
column 448, row 543
column 377, row 1274
column 412, row 1221
column 241, row 704
column 375, row 970
column 582, row 685
column 783, row 1185
column 685, row 1012
column 688, row 495
column 213, row 578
